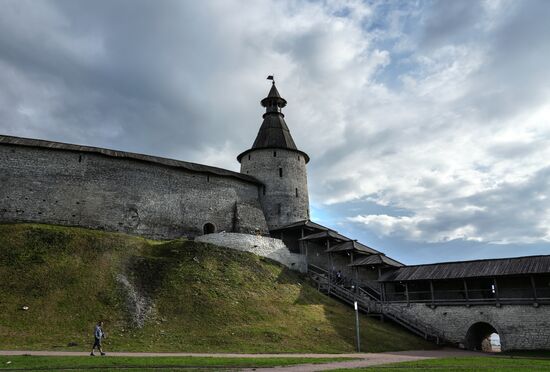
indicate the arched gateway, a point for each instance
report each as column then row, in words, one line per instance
column 478, row 337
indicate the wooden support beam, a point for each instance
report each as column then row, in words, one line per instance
column 534, row 286
column 355, row 270
column 329, row 256
column 432, row 291
column 466, row 295
column 306, row 252
column 496, row 291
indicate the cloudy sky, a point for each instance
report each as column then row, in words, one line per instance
column 427, row 122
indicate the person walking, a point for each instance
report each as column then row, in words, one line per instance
column 98, row 336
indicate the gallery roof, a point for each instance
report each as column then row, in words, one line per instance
column 376, row 260
column 472, row 269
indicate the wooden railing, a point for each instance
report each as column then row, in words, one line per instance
column 471, row 297
column 368, row 303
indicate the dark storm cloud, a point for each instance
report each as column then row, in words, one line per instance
column 137, row 75
column 428, row 119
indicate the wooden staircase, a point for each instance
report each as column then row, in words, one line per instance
column 369, row 302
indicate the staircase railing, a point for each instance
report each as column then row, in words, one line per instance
column 368, row 303
column 372, row 288
column 369, row 294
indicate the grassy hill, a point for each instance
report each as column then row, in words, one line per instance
column 165, row 296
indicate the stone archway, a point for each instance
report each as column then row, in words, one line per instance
column 479, row 336
column 208, row 228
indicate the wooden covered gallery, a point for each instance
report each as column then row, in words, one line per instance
column 490, row 281
column 346, row 261
column 351, row 264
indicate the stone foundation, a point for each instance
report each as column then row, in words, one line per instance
column 520, row 327
column 263, row 246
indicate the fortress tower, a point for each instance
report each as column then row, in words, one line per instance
column 275, row 160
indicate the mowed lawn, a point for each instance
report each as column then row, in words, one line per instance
column 489, row 363
column 53, row 363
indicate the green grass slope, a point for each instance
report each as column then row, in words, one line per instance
column 165, row 296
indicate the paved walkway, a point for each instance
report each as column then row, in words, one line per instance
column 365, row 359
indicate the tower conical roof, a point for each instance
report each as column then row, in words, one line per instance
column 273, row 92
column 274, row 132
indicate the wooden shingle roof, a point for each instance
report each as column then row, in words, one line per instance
column 472, row 269
column 303, row 223
column 353, row 245
column 326, row 234
column 376, row 260
column 274, row 133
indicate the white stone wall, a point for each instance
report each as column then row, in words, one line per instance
column 263, row 246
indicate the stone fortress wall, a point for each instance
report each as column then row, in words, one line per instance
column 519, row 327
column 284, row 197
column 50, row 184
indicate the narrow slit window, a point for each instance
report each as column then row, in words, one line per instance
column 296, row 192
column 263, row 190
column 248, row 156
column 280, row 172
column 274, row 154
column 207, row 178
column 80, row 158
column 278, row 208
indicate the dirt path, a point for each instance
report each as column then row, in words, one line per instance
column 366, row 359
column 373, row 359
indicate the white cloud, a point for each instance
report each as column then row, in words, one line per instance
column 435, row 109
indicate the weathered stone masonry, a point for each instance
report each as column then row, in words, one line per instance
column 284, row 197
column 79, row 188
column 519, row 326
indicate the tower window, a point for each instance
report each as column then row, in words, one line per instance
column 279, row 208
column 296, row 192
column 80, row 158
column 274, row 154
column 248, row 156
column 207, row 178
column 263, row 190
column 280, row 172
